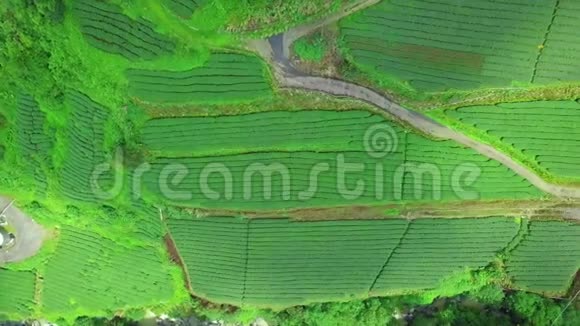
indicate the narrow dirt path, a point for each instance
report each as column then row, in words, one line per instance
column 29, row 234
column 276, row 50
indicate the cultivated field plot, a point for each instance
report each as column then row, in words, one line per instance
column 305, row 154
column 227, row 77
column 86, row 136
column 290, row 263
column 270, row 131
column 433, row 249
column 108, row 29
column 547, row 258
column 278, row 263
column 33, row 141
column 298, row 179
column 18, row 289
column 560, row 59
column 149, row 226
column 546, row 131
column 449, row 44
column 444, row 170
column 92, row 274
column 214, row 252
column 184, row 8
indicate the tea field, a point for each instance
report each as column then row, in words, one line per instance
column 301, row 160
column 106, row 28
column 545, row 132
column 184, row 8
column 434, row 46
column 90, row 275
column 278, row 263
column 546, row 258
column 86, row 147
column 18, row 292
column 165, row 158
column 34, row 140
column 226, row 77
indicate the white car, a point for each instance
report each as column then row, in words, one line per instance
column 6, row 239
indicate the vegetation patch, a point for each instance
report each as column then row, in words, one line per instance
column 86, row 148
column 311, row 49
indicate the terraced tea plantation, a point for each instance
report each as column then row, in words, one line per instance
column 106, row 28
column 449, row 44
column 86, row 148
column 547, row 257
column 433, row 249
column 546, row 132
column 89, row 274
column 227, row 77
column 184, row 8
column 163, row 162
column 278, row 263
column 18, row 292
column 324, row 131
column 560, row 58
column 300, row 157
column 33, row 140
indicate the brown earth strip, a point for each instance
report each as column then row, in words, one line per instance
column 559, row 210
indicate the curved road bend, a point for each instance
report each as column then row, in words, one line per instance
column 29, row 234
column 287, row 77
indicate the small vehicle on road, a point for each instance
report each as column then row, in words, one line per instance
column 6, row 239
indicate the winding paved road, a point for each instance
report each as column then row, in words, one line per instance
column 276, row 50
column 29, row 234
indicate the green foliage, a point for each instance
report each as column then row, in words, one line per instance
column 25, row 35
column 491, row 294
column 313, row 48
column 371, row 312
column 539, row 310
column 262, row 18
